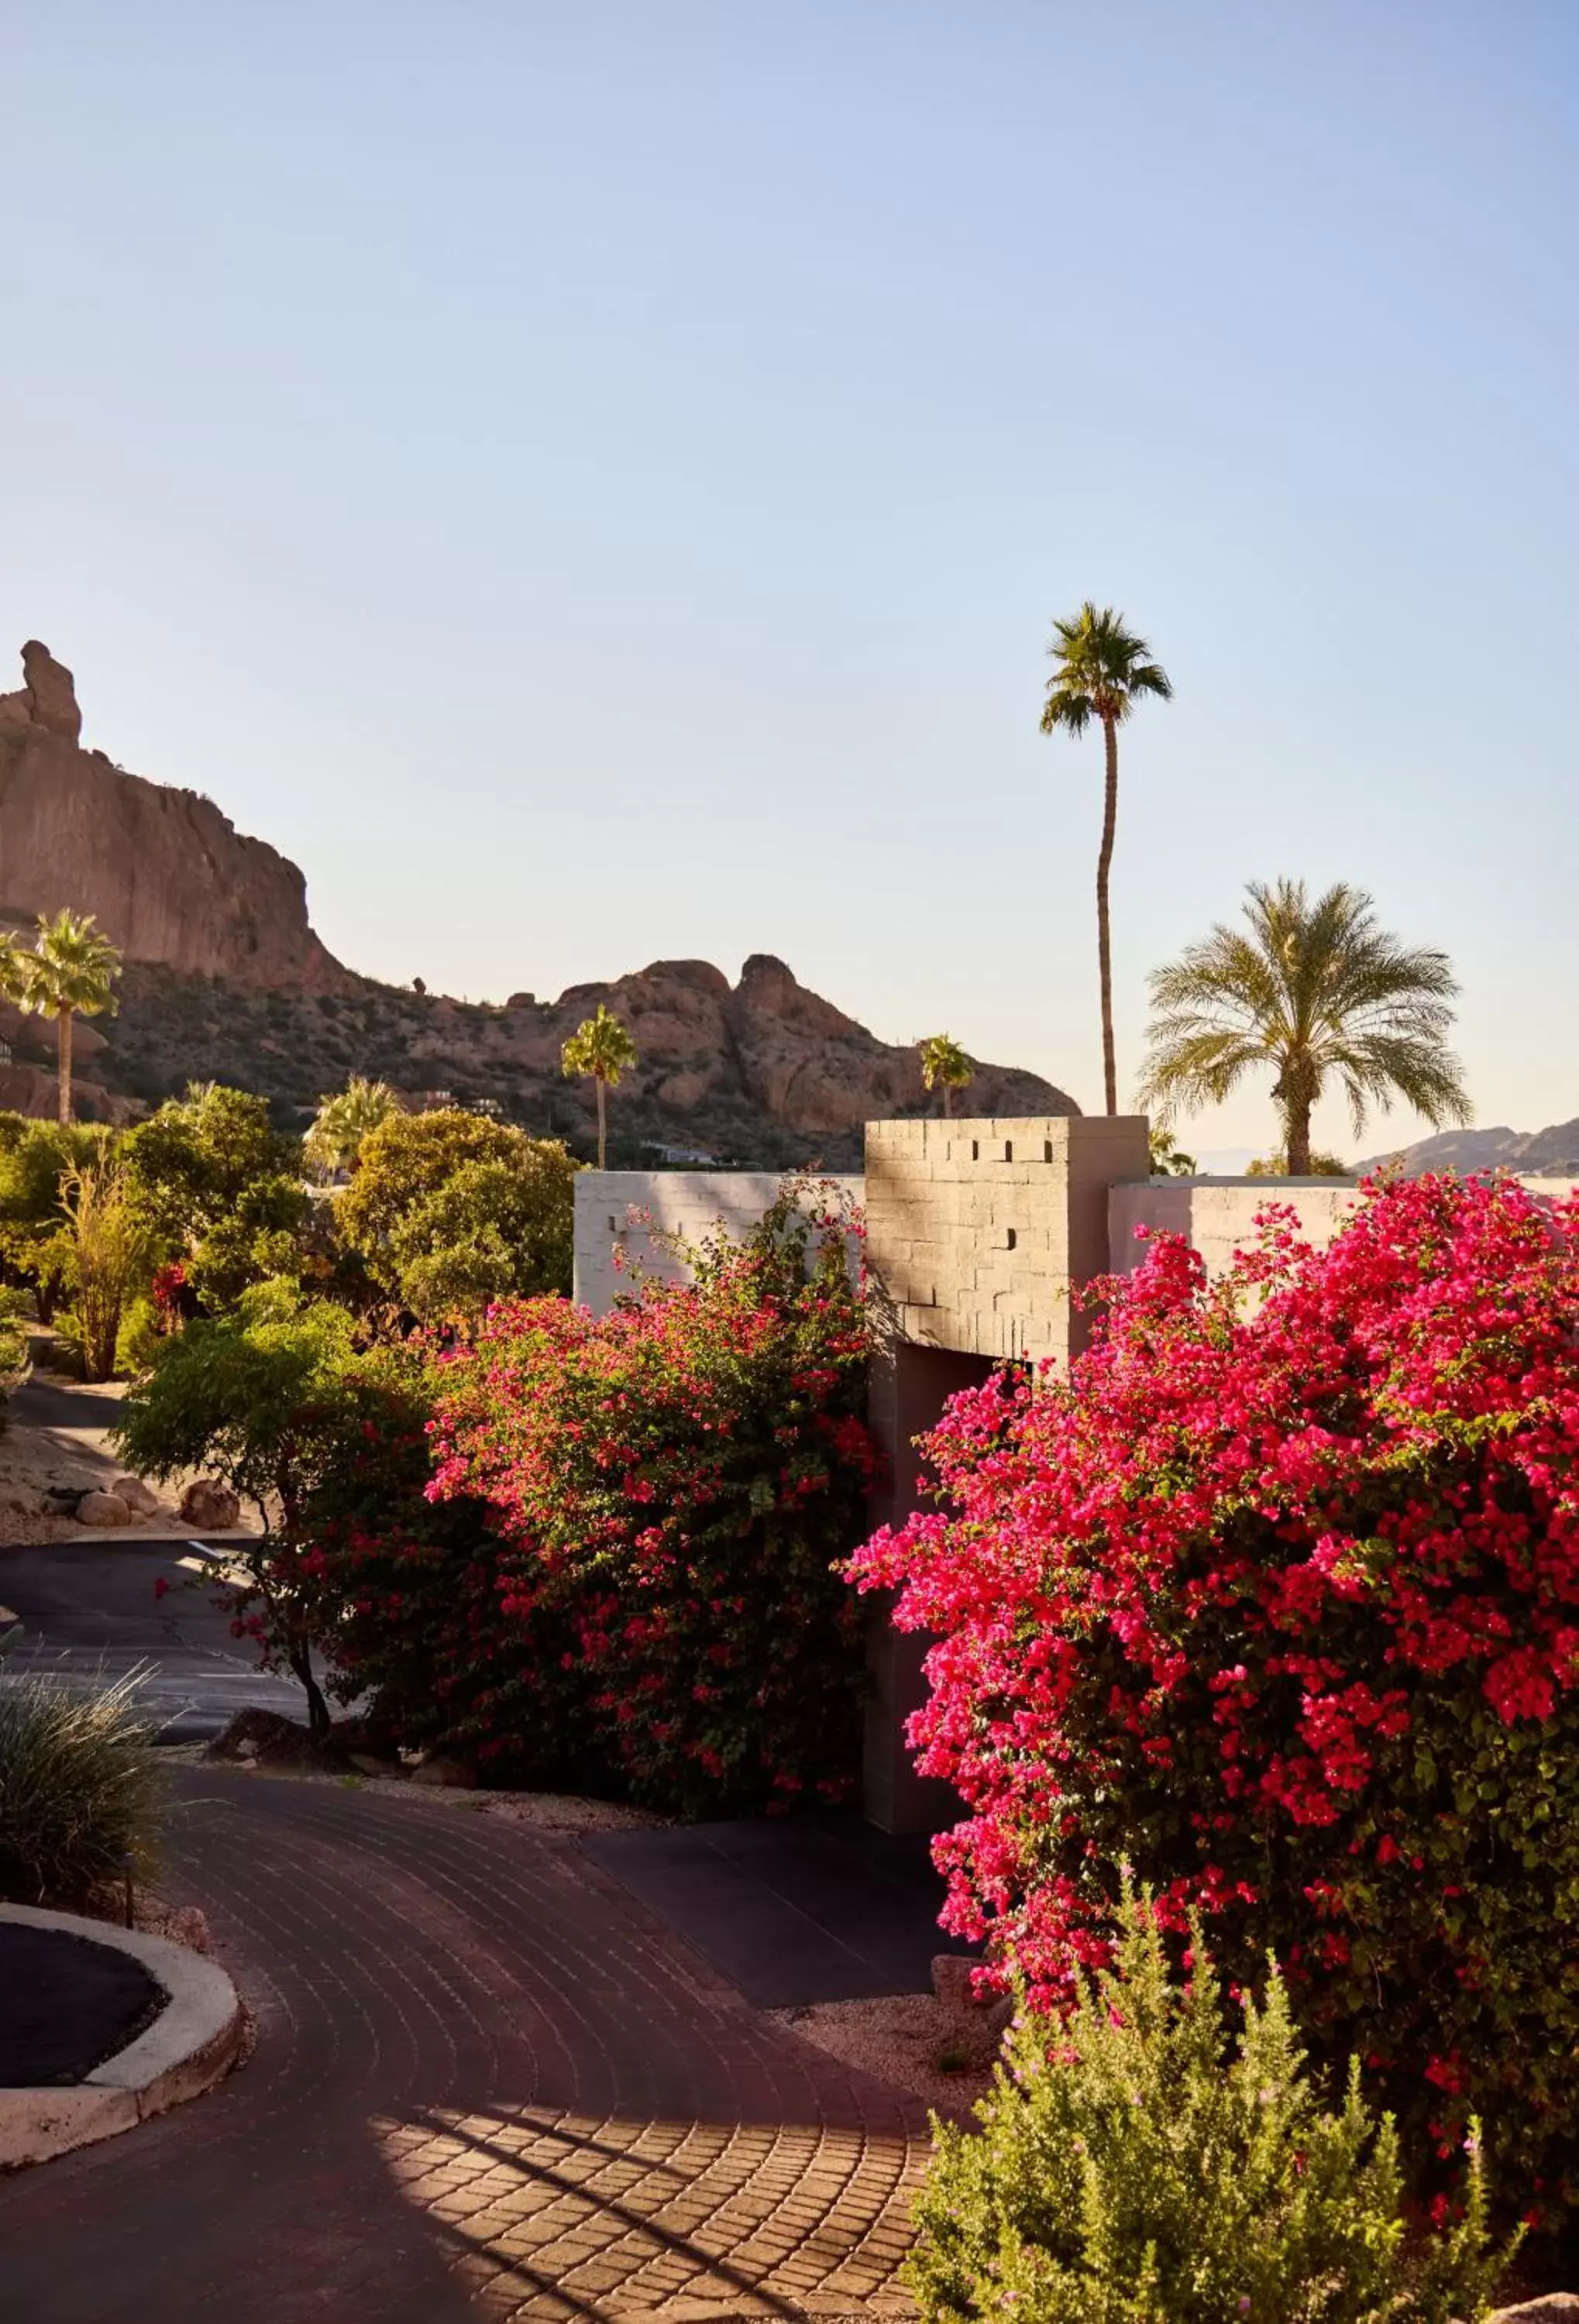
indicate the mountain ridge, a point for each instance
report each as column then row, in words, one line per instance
column 226, row 980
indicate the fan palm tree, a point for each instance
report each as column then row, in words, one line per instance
column 1102, row 671
column 601, row 1049
column 1315, row 991
column 945, row 1065
column 70, row 973
column 344, row 1120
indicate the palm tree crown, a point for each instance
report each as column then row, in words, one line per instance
column 945, row 1065
column 344, row 1120
column 1102, row 669
column 601, row 1049
column 70, row 972
column 1315, row 991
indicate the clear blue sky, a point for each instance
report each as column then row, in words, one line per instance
column 591, row 484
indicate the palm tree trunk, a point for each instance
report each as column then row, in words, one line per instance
column 947, row 1101
column 1299, row 1152
column 1109, row 815
column 64, row 1035
column 602, row 1128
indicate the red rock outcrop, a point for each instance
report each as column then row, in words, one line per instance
column 168, row 877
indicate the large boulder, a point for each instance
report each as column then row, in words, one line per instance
column 103, row 1509
column 209, row 1505
column 136, row 1495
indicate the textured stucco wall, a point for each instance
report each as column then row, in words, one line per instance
column 620, row 1210
column 1217, row 1216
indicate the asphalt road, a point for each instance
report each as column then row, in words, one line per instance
column 90, row 1613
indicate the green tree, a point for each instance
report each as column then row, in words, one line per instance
column 1101, row 671
column 263, row 1398
column 600, row 1049
column 14, row 968
column 343, row 1121
column 110, row 1246
column 449, row 1210
column 493, row 1231
column 220, row 1189
column 1167, row 1159
column 1314, row 991
column 1276, row 1166
column 70, row 973
column 36, row 1244
column 945, row 1065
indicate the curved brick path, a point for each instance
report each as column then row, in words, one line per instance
column 485, row 2085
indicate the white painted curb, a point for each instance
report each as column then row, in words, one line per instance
column 190, row 2046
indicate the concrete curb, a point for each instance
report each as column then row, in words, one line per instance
column 190, row 2046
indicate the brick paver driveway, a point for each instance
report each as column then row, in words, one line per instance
column 485, row 2086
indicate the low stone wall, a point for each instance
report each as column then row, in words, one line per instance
column 622, row 1210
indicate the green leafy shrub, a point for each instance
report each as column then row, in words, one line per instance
column 1135, row 2166
column 80, row 1792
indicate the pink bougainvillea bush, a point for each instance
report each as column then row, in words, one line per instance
column 671, row 1487
column 1275, row 1599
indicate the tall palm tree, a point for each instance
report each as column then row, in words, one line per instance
column 70, row 973
column 1102, row 671
column 1314, row 991
column 945, row 1065
column 344, row 1120
column 600, row 1048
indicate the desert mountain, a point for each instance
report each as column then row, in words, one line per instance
column 1552, row 1153
column 226, row 981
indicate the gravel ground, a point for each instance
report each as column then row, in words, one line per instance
column 902, row 2037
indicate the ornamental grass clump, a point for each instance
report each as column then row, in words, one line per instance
column 80, row 1792
column 1275, row 1595
column 1137, row 2163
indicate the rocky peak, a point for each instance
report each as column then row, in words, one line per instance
column 47, row 697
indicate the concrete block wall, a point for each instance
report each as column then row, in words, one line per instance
column 976, row 1228
column 622, row 1210
column 1217, row 1216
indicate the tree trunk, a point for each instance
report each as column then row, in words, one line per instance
column 1109, row 815
column 63, row 1034
column 319, row 1721
column 602, row 1127
column 1299, row 1149
column 947, row 1101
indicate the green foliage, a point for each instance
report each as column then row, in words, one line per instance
column 110, row 1255
column 260, row 1397
column 1317, row 1166
column 219, row 1189
column 1102, row 669
column 70, row 972
column 449, row 1211
column 493, row 1231
column 79, row 1792
column 945, row 1065
column 343, row 1121
column 600, row 1049
column 1168, row 1160
column 1320, row 993
column 36, row 1159
column 1135, row 2165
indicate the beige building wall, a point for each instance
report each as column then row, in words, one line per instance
column 1217, row 1216
column 624, row 1211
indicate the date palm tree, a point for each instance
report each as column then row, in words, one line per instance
column 69, row 973
column 1315, row 992
column 344, row 1120
column 945, row 1065
column 1102, row 669
column 599, row 1049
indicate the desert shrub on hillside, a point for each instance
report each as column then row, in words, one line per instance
column 1277, row 1596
